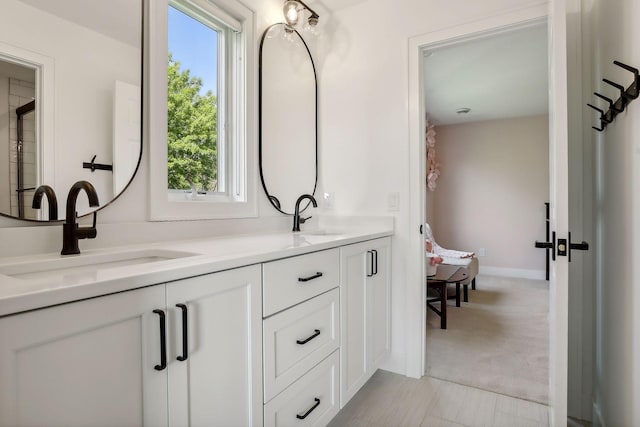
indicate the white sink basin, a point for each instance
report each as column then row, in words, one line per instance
column 87, row 265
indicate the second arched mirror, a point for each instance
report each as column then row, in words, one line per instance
column 288, row 117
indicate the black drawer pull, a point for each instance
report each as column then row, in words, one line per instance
column 163, row 341
column 316, row 332
column 306, row 414
column 306, row 279
column 185, row 333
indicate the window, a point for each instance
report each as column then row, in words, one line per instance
column 205, row 167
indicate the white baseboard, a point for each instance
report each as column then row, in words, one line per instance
column 512, row 272
column 597, row 416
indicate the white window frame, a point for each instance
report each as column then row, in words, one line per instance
column 237, row 124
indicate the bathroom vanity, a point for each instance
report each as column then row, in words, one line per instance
column 271, row 330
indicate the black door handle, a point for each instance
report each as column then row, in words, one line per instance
column 584, row 246
column 185, row 333
column 163, row 341
column 306, row 414
column 316, row 332
column 548, row 245
column 544, row 245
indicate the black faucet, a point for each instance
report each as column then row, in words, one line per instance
column 51, row 199
column 296, row 215
column 70, row 230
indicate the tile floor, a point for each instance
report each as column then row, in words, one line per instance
column 393, row 400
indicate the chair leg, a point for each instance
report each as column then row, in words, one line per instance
column 473, row 284
column 457, row 294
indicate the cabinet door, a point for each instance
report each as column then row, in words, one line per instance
column 378, row 299
column 88, row 363
column 364, row 304
column 355, row 265
column 220, row 381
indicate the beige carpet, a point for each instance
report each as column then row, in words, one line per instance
column 498, row 341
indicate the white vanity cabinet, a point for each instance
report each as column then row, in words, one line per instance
column 284, row 341
column 100, row 361
column 301, row 339
column 365, row 306
column 215, row 377
column 87, row 363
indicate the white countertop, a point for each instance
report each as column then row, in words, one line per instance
column 18, row 294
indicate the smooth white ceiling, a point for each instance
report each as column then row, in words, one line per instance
column 335, row 4
column 113, row 18
column 500, row 76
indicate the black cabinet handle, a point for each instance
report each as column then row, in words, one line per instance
column 316, row 332
column 375, row 253
column 185, row 333
column 163, row 341
column 370, row 274
column 306, row 414
column 306, row 279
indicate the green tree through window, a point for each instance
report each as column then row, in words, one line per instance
column 191, row 132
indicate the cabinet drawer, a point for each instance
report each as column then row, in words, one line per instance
column 289, row 281
column 297, row 339
column 311, row 401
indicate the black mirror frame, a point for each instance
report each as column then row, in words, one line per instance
column 272, row 199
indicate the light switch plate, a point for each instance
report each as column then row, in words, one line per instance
column 393, row 201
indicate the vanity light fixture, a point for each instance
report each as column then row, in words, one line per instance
column 293, row 9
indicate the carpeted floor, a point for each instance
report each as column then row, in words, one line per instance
column 498, row 341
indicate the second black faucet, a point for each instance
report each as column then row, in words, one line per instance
column 296, row 214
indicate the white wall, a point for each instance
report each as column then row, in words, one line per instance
column 491, row 192
column 617, row 375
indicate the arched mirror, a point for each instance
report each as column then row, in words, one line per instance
column 70, row 101
column 288, row 117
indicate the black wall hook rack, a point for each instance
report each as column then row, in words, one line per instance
column 626, row 96
column 93, row 165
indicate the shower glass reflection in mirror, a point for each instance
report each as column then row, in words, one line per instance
column 18, row 143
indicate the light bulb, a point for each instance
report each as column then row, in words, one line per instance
column 291, row 15
column 312, row 26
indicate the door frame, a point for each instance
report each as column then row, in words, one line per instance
column 558, row 135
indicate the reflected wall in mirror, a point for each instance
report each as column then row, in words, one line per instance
column 288, row 117
column 82, row 69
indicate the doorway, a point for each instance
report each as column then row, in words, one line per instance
column 555, row 14
column 487, row 108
